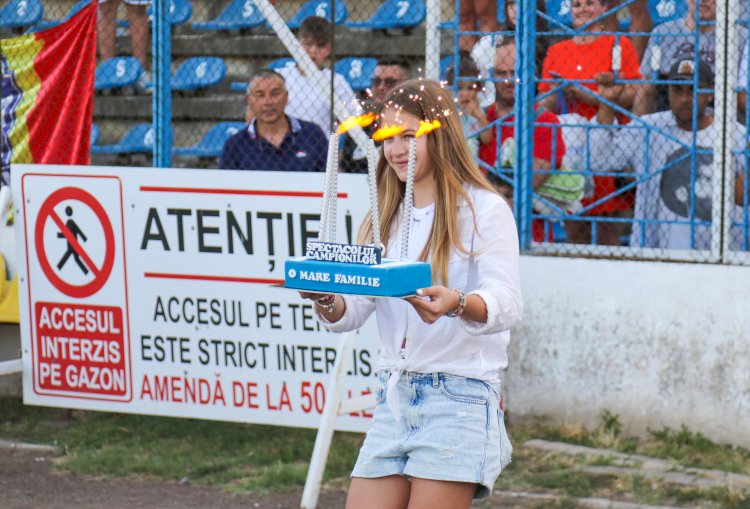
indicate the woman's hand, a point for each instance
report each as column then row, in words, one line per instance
column 328, row 305
column 433, row 302
column 607, row 87
column 312, row 295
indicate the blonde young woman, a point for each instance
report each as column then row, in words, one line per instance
column 437, row 439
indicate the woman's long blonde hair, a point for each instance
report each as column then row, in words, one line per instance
column 454, row 168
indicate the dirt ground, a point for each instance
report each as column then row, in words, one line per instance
column 28, row 480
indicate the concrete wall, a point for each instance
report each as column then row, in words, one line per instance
column 659, row 344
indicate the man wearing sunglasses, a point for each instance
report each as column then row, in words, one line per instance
column 389, row 72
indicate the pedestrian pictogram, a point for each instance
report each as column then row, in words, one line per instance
column 76, row 231
column 76, row 245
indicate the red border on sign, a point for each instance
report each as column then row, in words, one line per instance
column 130, row 396
column 241, row 192
column 203, row 277
column 100, row 274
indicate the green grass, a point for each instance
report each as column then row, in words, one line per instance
column 539, row 471
column 244, row 457
column 687, row 448
column 238, row 457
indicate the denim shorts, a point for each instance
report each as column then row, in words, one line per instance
column 451, row 429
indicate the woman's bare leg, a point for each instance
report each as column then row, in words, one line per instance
column 391, row 492
column 430, row 494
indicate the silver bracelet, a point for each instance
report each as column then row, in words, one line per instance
column 461, row 305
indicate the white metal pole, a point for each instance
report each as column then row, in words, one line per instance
column 725, row 102
column 432, row 41
column 308, row 67
column 327, row 424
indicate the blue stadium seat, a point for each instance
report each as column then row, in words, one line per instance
column 394, row 14
column 95, row 134
column 358, row 71
column 139, row 139
column 238, row 15
column 51, row 23
column 667, row 10
column 280, row 63
column 198, row 73
column 117, row 72
column 212, row 143
column 558, row 10
column 20, row 13
column 179, row 12
column 445, row 63
column 320, row 8
column 661, row 11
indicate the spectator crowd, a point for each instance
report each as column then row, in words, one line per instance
column 623, row 123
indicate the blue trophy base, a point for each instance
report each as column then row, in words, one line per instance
column 391, row 278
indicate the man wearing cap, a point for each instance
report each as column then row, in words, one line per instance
column 677, row 40
column 675, row 174
column 273, row 140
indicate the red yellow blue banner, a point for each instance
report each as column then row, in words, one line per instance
column 48, row 94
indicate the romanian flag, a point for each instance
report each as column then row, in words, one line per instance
column 48, row 94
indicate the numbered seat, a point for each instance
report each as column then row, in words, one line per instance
column 279, row 63
column 320, row 8
column 51, row 23
column 139, row 139
column 179, row 13
column 394, row 14
column 212, row 143
column 238, row 15
column 667, row 10
column 117, row 72
column 21, row 13
column 660, row 11
column 199, row 73
column 357, row 71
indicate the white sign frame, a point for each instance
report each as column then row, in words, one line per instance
column 195, row 254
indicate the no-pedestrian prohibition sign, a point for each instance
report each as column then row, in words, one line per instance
column 70, row 231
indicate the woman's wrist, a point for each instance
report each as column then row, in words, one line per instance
column 460, row 307
column 328, row 307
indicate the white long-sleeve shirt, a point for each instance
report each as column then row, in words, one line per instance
column 453, row 345
column 308, row 103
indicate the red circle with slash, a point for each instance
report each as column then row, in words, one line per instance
column 101, row 274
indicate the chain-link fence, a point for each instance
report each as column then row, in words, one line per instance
column 598, row 119
column 633, row 135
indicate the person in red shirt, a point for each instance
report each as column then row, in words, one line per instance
column 591, row 59
column 549, row 147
